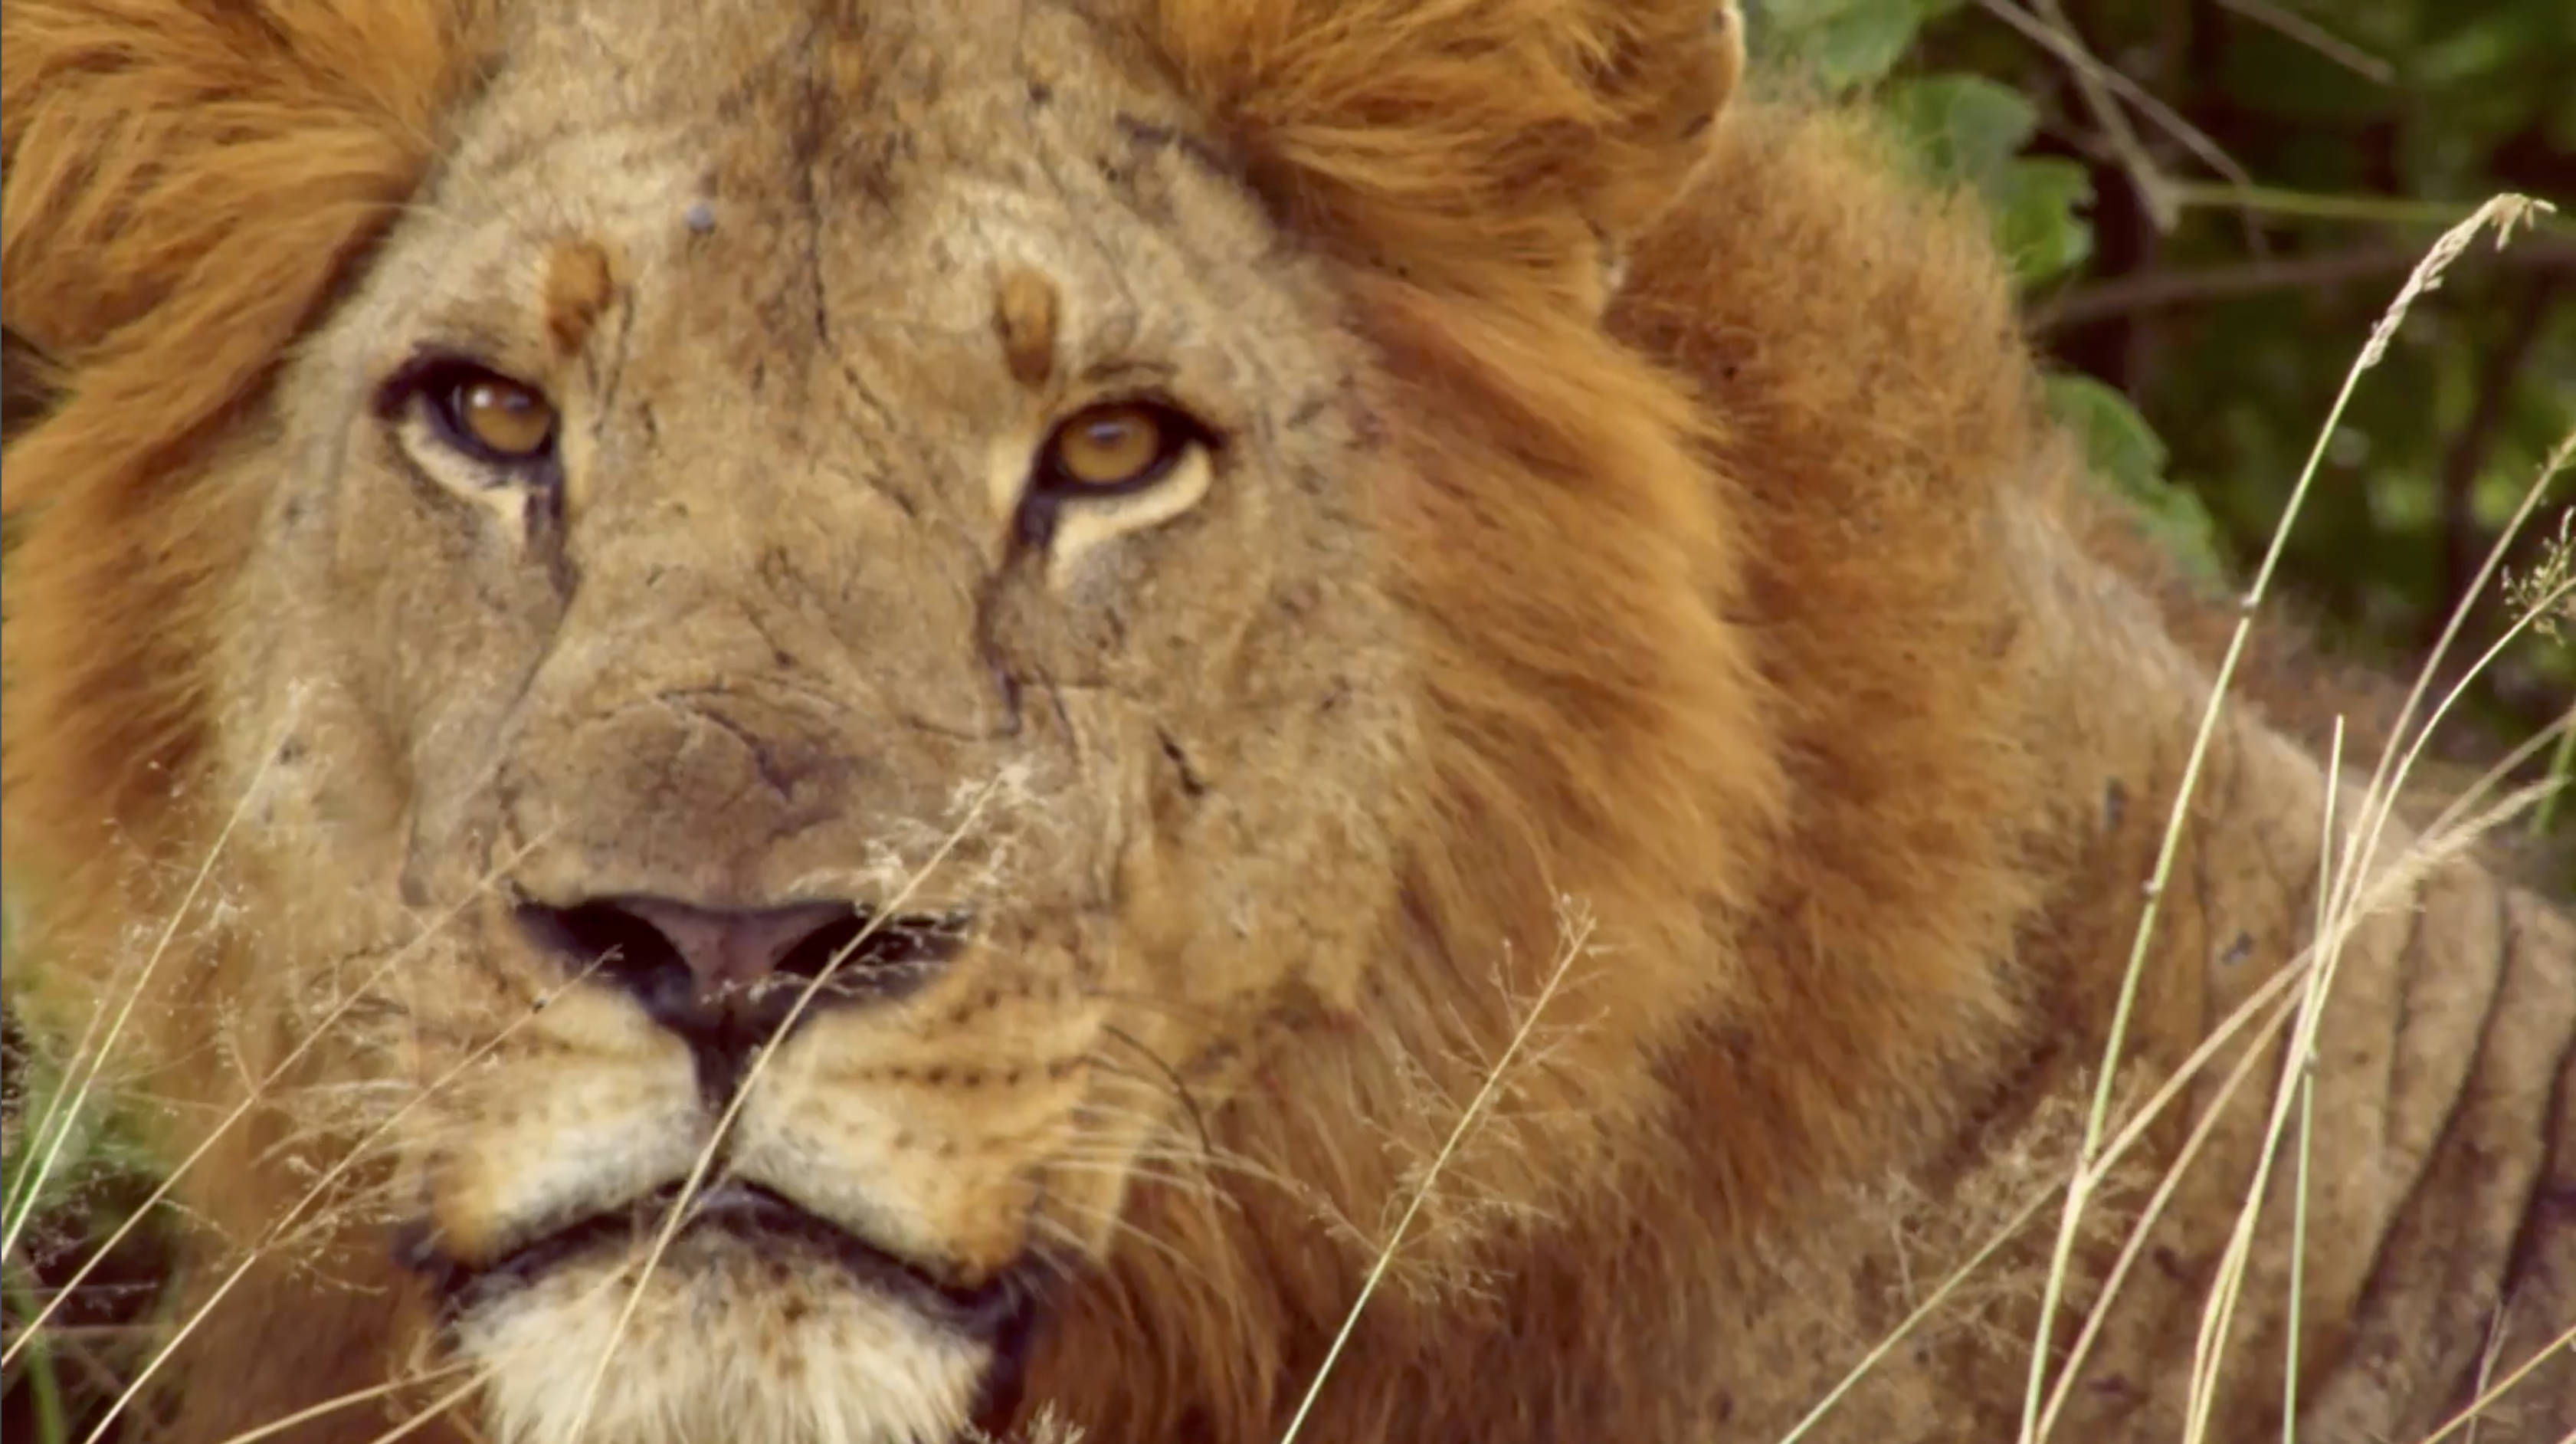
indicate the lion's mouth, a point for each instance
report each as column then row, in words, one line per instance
column 757, row 1216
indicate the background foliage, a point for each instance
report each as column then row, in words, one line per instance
column 2208, row 204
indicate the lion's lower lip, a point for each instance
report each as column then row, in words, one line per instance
column 751, row 1212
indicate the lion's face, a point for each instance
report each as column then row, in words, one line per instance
column 829, row 577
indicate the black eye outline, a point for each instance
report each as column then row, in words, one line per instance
column 1050, row 485
column 436, row 382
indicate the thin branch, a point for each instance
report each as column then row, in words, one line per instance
column 2162, row 290
column 2312, row 205
column 2156, row 187
column 2285, row 22
column 2144, row 174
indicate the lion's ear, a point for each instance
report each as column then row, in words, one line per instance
column 1480, row 145
column 183, row 183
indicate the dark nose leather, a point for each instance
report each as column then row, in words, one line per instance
column 727, row 951
column 731, row 978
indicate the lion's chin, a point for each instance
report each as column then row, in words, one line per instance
column 737, row 1337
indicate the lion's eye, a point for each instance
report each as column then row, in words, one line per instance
column 493, row 417
column 1115, row 448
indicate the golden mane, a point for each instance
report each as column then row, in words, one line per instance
column 1595, row 538
column 185, row 188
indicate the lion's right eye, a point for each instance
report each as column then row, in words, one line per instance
column 490, row 417
column 1115, row 449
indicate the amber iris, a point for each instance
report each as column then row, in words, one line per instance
column 506, row 419
column 1116, row 445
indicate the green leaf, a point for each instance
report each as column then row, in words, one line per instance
column 2118, row 441
column 2124, row 453
column 2037, row 223
column 1963, row 128
column 1842, row 44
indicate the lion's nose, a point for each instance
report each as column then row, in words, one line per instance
column 739, row 972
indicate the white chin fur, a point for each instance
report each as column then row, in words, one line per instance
column 726, row 1348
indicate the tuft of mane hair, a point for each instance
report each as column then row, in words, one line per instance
column 185, row 186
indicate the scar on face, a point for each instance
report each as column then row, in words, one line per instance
column 579, row 283
column 1025, row 317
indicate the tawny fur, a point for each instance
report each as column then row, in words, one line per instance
column 1704, row 559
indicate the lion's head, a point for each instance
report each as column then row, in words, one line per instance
column 874, row 617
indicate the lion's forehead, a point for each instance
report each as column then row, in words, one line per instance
column 834, row 187
column 806, row 60
column 937, row 132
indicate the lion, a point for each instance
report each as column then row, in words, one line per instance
column 834, row 723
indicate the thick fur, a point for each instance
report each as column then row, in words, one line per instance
column 1634, row 506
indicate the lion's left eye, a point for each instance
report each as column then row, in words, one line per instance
column 1114, row 449
column 498, row 420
